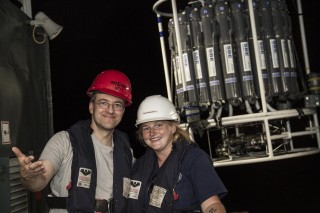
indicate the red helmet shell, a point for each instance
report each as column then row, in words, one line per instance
column 112, row 82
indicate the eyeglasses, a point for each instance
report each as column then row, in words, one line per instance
column 106, row 105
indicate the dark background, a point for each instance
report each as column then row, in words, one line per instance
column 123, row 35
column 101, row 35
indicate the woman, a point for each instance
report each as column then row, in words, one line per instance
column 174, row 175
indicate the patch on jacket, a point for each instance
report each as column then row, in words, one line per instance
column 157, row 196
column 84, row 178
column 134, row 191
column 126, row 187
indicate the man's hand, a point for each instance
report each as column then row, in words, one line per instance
column 28, row 169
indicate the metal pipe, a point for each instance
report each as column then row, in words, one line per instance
column 257, row 56
column 289, row 134
column 164, row 58
column 316, row 123
column 155, row 9
column 178, row 37
column 303, row 38
column 303, row 152
column 268, row 135
column 259, row 117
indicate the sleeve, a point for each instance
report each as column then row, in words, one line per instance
column 56, row 149
column 204, row 177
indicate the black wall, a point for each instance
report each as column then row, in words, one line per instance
column 25, row 95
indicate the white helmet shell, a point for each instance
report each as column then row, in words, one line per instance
column 156, row 108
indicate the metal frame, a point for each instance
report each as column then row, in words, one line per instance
column 264, row 117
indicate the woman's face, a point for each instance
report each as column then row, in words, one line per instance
column 158, row 135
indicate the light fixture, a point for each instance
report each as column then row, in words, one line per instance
column 50, row 27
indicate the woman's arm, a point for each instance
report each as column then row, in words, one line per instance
column 213, row 205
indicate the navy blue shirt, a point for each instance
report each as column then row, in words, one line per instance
column 199, row 180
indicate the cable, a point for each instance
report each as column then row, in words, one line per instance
column 34, row 37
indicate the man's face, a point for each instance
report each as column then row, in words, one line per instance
column 107, row 111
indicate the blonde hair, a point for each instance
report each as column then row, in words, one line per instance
column 180, row 134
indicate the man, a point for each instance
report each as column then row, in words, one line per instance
column 89, row 165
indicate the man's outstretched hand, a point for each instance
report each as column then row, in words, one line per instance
column 28, row 169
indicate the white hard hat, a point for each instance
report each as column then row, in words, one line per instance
column 156, row 108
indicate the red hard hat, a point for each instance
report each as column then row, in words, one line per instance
column 112, row 82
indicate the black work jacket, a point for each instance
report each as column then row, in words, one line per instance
column 166, row 178
column 83, row 199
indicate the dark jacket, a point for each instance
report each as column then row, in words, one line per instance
column 82, row 199
column 165, row 177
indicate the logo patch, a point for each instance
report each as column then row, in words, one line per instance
column 134, row 189
column 126, row 187
column 84, row 178
column 157, row 196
